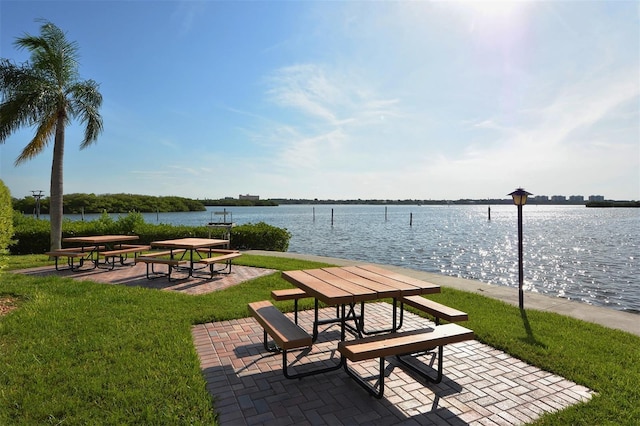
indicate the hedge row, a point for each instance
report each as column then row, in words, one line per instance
column 31, row 236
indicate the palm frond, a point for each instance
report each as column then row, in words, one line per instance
column 51, row 53
column 85, row 103
column 43, row 135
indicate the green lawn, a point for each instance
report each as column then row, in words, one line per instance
column 86, row 353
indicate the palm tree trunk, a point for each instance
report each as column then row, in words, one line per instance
column 55, row 206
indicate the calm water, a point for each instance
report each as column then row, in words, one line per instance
column 582, row 254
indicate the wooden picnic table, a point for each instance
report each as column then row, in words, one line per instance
column 99, row 243
column 191, row 245
column 349, row 285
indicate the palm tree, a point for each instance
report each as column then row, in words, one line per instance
column 47, row 94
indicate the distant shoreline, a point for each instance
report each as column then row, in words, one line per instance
column 607, row 203
column 613, row 204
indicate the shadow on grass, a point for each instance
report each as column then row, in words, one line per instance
column 530, row 339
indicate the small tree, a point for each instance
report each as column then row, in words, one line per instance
column 46, row 94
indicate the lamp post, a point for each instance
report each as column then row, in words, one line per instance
column 520, row 199
column 37, row 194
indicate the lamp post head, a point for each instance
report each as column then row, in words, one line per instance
column 520, row 197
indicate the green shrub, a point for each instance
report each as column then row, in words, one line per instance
column 32, row 235
column 6, row 222
column 6, row 217
column 260, row 236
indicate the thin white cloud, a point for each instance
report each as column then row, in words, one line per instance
column 168, row 144
column 307, row 89
column 187, row 14
column 330, row 117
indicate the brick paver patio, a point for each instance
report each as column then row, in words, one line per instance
column 135, row 275
column 481, row 385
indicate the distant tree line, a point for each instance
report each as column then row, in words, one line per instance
column 112, row 203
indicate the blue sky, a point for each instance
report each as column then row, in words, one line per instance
column 346, row 99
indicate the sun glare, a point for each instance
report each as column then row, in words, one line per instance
column 498, row 12
column 495, row 23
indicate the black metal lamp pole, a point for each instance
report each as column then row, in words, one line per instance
column 520, row 268
column 520, row 199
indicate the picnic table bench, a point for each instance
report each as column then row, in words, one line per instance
column 294, row 294
column 217, row 256
column 122, row 252
column 286, row 335
column 159, row 257
column 437, row 310
column 400, row 344
column 71, row 253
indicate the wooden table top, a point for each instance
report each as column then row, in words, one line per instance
column 190, row 243
column 100, row 239
column 352, row 284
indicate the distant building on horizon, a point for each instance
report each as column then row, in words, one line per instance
column 249, row 197
column 558, row 199
column 596, row 197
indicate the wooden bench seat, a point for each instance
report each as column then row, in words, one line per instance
column 125, row 249
column 208, row 251
column 290, row 294
column 165, row 261
column 153, row 260
column 67, row 253
column 284, row 332
column 164, row 253
column 218, row 259
column 399, row 344
column 224, row 256
column 286, row 335
column 121, row 253
column 71, row 253
column 296, row 294
column 437, row 310
column 85, row 249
